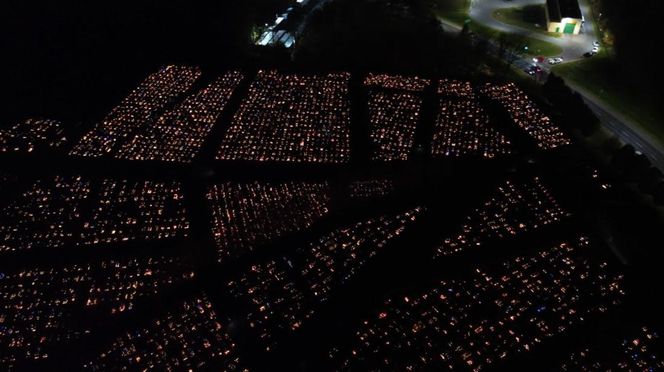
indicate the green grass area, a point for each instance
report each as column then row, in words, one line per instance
column 455, row 11
column 601, row 76
column 531, row 17
column 536, row 47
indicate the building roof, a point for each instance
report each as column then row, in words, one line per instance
column 559, row 9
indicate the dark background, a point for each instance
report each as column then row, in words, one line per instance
column 73, row 61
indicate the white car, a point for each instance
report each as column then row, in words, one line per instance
column 595, row 49
column 596, row 43
column 555, row 61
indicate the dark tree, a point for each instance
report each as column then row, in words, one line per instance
column 367, row 34
column 575, row 114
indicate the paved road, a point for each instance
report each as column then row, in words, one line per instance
column 622, row 128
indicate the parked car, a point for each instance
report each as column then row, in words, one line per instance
column 595, row 49
column 555, row 61
column 596, row 43
column 533, row 69
column 589, row 54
